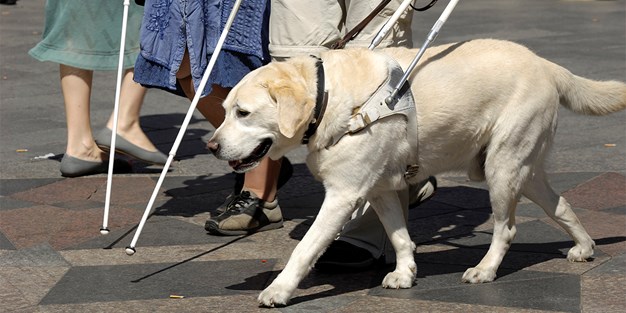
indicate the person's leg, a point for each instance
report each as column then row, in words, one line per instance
column 303, row 27
column 363, row 240
column 132, row 96
column 260, row 180
column 76, row 87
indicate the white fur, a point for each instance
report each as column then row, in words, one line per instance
column 485, row 106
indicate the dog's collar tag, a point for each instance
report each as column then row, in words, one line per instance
column 320, row 102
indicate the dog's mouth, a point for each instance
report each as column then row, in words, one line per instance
column 253, row 159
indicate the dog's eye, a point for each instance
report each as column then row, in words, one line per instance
column 242, row 113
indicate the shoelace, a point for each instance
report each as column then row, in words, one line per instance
column 241, row 202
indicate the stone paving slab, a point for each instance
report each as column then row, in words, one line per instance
column 53, row 258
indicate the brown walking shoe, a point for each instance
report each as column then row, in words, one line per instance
column 246, row 214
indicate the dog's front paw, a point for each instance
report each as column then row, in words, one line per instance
column 579, row 253
column 274, row 296
column 397, row 280
column 475, row 275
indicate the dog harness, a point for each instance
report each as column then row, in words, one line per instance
column 376, row 109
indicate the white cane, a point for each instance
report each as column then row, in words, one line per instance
column 130, row 250
column 429, row 39
column 118, row 88
column 382, row 33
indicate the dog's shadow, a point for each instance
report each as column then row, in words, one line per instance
column 451, row 230
column 450, row 223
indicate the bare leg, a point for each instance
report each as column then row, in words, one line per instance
column 76, row 87
column 260, row 180
column 128, row 126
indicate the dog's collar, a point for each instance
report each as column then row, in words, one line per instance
column 320, row 102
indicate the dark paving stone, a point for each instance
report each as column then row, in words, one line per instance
column 8, row 203
column 533, row 236
column 522, row 289
column 166, row 125
column 11, row 186
column 301, row 184
column 344, row 285
column 529, row 210
column 318, row 303
column 190, row 206
column 301, row 208
column 615, row 266
column 535, row 243
column 561, row 182
column 158, row 231
column 469, row 257
column 457, row 224
column 535, row 211
column 605, row 191
column 40, row 255
column 159, row 281
column 463, row 197
column 185, row 186
column 5, row 244
column 430, row 208
column 620, row 210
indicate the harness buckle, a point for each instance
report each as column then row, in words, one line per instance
column 358, row 122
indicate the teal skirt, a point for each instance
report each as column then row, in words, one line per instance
column 86, row 34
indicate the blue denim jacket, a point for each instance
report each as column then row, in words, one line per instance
column 170, row 26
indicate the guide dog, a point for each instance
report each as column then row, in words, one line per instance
column 485, row 106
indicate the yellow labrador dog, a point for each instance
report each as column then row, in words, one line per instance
column 488, row 107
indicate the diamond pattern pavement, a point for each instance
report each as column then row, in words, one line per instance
column 54, row 259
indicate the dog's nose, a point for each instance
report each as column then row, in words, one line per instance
column 213, row 146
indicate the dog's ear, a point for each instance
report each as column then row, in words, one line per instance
column 294, row 108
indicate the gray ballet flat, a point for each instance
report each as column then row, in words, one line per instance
column 123, row 146
column 75, row 167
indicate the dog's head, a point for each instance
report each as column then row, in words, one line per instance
column 267, row 113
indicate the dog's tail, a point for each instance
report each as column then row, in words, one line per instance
column 586, row 96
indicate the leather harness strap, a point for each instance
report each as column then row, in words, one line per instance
column 358, row 28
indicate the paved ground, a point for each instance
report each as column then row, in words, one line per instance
column 53, row 259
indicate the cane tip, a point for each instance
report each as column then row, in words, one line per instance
column 130, row 250
column 104, row 231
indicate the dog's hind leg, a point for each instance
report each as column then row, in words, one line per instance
column 539, row 191
column 333, row 214
column 505, row 180
column 389, row 208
